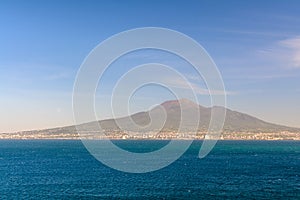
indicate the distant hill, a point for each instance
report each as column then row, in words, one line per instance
column 234, row 121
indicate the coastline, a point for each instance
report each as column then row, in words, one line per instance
column 120, row 139
column 58, row 134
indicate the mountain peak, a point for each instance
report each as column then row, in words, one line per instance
column 235, row 123
column 183, row 102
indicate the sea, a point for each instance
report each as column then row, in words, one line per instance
column 64, row 169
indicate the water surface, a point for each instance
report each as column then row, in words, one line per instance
column 63, row 169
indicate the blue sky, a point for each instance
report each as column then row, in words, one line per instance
column 255, row 44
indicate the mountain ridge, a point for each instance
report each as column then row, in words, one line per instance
column 235, row 122
column 239, row 120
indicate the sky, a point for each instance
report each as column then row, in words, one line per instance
column 255, row 45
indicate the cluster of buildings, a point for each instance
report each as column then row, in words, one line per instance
column 151, row 135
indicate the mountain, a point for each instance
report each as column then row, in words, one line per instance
column 235, row 122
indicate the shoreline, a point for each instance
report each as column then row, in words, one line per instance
column 115, row 139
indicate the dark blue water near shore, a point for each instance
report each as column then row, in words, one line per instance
column 234, row 169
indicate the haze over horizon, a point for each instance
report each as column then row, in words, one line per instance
column 255, row 46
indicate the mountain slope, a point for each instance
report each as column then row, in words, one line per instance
column 235, row 122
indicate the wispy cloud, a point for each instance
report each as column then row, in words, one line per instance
column 58, row 76
column 264, row 77
column 35, row 72
column 257, row 33
column 188, row 85
column 293, row 50
column 285, row 53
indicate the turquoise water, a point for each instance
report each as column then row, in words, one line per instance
column 234, row 169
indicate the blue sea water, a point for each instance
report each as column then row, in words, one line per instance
column 63, row 169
